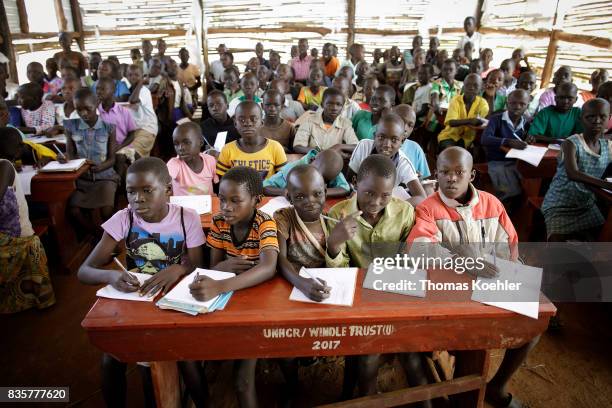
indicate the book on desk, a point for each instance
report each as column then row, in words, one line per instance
column 55, row 166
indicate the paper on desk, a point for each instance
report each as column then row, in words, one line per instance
column 341, row 281
column 202, row 204
column 531, row 154
column 220, row 141
column 401, row 193
column 111, row 293
column 405, row 281
column 45, row 139
column 55, row 166
column 274, row 204
column 180, row 293
column 25, row 178
column 554, row 146
column 513, row 272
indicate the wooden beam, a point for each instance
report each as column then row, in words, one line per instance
column 41, row 36
column 350, row 23
column 77, row 20
column 599, row 42
column 204, row 41
column 478, row 18
column 23, row 17
column 551, row 52
column 7, row 44
column 62, row 23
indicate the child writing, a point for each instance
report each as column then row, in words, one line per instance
column 311, row 96
column 365, row 122
column 569, row 207
column 274, row 126
column 559, row 121
column 249, row 85
column 252, row 149
column 37, row 115
column 148, row 222
column 192, row 172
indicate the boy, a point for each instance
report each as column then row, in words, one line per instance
column 291, row 109
column 419, row 94
column 445, row 88
column 330, row 63
column 301, row 63
column 410, row 148
column 562, row 75
column 328, row 162
column 143, row 113
column 471, row 35
column 259, row 52
column 231, row 85
column 189, row 74
column 274, row 126
column 147, row 50
column 38, row 115
column 326, row 129
column 527, row 81
column 364, row 122
column 387, row 142
column 350, row 106
column 36, row 74
column 559, row 121
column 252, row 149
column 393, row 70
column 464, row 113
column 507, row 68
column 248, row 85
column 218, row 122
column 76, row 59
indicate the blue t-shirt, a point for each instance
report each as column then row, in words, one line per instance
column 415, row 153
column 120, row 88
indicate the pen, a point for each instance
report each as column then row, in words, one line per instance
column 310, row 276
column 123, row 269
column 329, row 218
column 195, row 278
column 58, row 150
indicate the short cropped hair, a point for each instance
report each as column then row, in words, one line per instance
column 244, row 104
column 85, row 93
column 301, row 169
column 246, row 176
column 331, row 92
column 387, row 89
column 377, row 165
column 216, row 92
column 153, row 165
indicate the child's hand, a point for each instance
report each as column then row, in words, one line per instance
column 313, row 289
column 477, row 122
column 235, row 264
column 345, row 229
column 62, row 158
column 490, row 90
column 205, row 288
column 125, row 282
column 515, row 144
column 530, row 139
column 162, row 280
column 469, row 251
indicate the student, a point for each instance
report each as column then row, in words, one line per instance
column 393, row 70
column 189, row 74
column 274, row 126
column 183, row 104
column 417, row 45
column 91, row 138
column 350, row 106
column 154, row 78
column 508, row 129
column 248, row 85
column 445, row 88
column 54, row 83
column 562, row 75
column 326, row 129
column 559, row 121
column 311, row 96
column 231, row 85
column 285, row 73
column 357, row 56
column 390, row 135
column 192, row 172
column 330, row 63
column 24, row 151
column 291, row 110
column 143, row 113
column 570, row 209
column 37, row 115
column 263, row 77
column 509, row 83
column 598, row 77
column 218, row 122
column 275, row 60
column 243, row 240
column 365, row 122
column 432, row 52
column 148, row 222
column 419, row 94
column 76, row 59
column 464, row 112
column 252, row 65
column 492, row 93
column 486, row 57
column 410, row 75
column 329, row 164
column 252, row 149
column 66, row 110
column 136, row 57
column 36, row 74
column 108, row 70
column 413, row 151
column 370, row 84
column 605, row 92
column 259, row 52
column 471, row 35
column 456, row 209
column 519, row 56
column 527, row 81
column 217, row 67
column 301, row 62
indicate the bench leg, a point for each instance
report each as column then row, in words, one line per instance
column 166, row 384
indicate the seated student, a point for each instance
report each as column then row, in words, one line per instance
column 66, row 109
column 36, row 74
column 393, row 69
column 218, row 122
column 252, row 149
column 411, row 74
column 173, row 231
column 248, row 85
column 91, row 138
column 231, row 84
column 143, row 113
column 559, row 121
column 263, row 78
column 23, row 151
column 528, row 82
column 291, row 110
column 329, row 163
column 94, row 62
column 285, row 73
column 192, row 172
column 350, row 106
column 605, row 92
column 419, row 95
column 389, row 138
column 108, row 70
column 242, row 240
column 508, row 129
column 598, row 77
column 561, row 75
column 370, row 84
column 24, row 277
column 54, row 82
column 487, row 57
column 456, row 209
column 326, row 129
column 464, row 112
column 37, row 115
column 509, row 83
column 365, row 122
column 311, row 96
column 413, row 151
column 492, row 93
column 274, row 126
column 446, row 87
column 570, row 209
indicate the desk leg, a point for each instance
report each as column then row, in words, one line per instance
column 166, row 384
column 71, row 253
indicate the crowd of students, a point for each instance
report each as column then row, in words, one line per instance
column 365, row 129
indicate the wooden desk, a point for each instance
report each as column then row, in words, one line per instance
column 532, row 176
column 261, row 322
column 54, row 189
column 606, row 197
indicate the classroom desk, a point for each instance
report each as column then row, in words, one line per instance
column 532, row 176
column 54, row 189
column 261, row 322
column 606, row 197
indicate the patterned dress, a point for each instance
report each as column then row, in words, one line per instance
column 570, row 206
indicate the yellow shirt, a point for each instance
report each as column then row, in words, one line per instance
column 456, row 111
column 41, row 151
column 188, row 75
column 267, row 161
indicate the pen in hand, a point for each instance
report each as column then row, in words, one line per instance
column 126, row 271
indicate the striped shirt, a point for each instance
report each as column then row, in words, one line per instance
column 261, row 236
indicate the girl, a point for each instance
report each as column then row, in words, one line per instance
column 66, row 110
column 148, row 227
column 242, row 240
column 192, row 172
column 569, row 207
column 311, row 96
column 54, row 82
column 495, row 99
column 364, row 122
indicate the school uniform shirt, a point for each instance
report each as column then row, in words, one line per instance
column 60, row 114
column 551, row 123
column 121, row 88
column 393, row 227
column 445, row 91
column 279, row 180
column 155, row 246
column 262, row 236
column 304, row 247
column 417, row 95
column 363, row 126
column 40, row 119
column 505, row 90
column 499, row 129
column 349, row 109
column 187, row 182
column 143, row 112
column 189, row 75
column 405, row 170
column 301, row 67
column 283, row 133
column 231, row 109
column 307, row 97
column 216, row 69
column 331, row 67
column 266, row 162
column 291, row 110
column 417, row 157
column 120, row 117
column 211, row 128
column 315, row 133
column 456, row 110
column 475, row 39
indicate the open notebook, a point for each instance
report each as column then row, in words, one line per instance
column 55, row 166
column 341, row 281
column 111, row 293
column 202, row 204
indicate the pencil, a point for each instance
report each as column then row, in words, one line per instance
column 123, row 268
column 329, row 218
column 58, row 150
column 310, row 275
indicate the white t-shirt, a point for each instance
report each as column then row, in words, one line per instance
column 143, row 112
column 475, row 39
column 405, row 170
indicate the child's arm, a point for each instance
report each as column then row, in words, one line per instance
column 70, row 147
column 417, row 192
column 302, row 138
column 275, row 185
column 129, row 138
column 344, row 230
column 110, row 155
column 135, row 96
column 166, row 278
column 574, row 174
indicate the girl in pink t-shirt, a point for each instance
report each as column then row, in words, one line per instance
column 192, row 172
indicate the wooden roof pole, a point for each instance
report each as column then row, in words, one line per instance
column 551, row 52
column 62, row 23
column 478, row 17
column 204, row 42
column 77, row 20
column 7, row 44
column 23, row 17
column 350, row 20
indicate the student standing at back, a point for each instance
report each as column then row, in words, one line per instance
column 301, row 62
column 189, row 74
column 393, row 70
column 471, row 35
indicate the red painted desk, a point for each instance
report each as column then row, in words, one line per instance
column 262, row 322
column 532, row 176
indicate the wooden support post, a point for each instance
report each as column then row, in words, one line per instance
column 204, row 41
column 77, row 21
column 350, row 23
column 62, row 23
column 23, row 17
column 551, row 52
column 7, row 44
column 478, row 16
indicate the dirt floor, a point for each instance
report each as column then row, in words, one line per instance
column 569, row 368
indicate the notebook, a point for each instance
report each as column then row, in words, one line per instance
column 396, row 280
column 531, row 154
column 110, row 292
column 220, row 140
column 202, row 204
column 55, row 166
column 274, row 204
column 342, row 282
